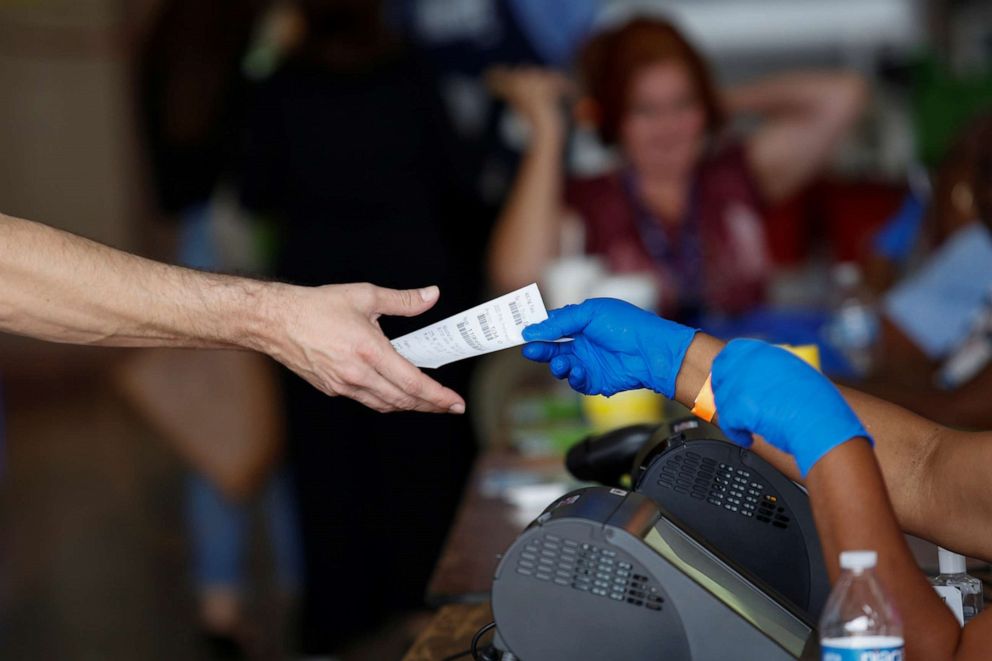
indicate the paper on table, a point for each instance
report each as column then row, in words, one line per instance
column 483, row 329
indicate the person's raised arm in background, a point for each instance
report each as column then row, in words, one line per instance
column 63, row 288
column 526, row 236
column 801, row 416
column 803, row 115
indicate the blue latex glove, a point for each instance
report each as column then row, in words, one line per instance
column 617, row 346
column 763, row 389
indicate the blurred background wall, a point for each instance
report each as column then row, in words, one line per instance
column 66, row 124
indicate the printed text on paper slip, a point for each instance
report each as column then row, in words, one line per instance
column 483, row 329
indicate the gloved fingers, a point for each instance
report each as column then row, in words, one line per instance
column 567, row 365
column 578, row 379
column 741, row 437
column 562, row 364
column 734, row 400
column 736, row 390
column 736, row 356
column 543, row 352
column 563, row 322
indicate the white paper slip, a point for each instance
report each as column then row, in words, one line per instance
column 483, row 329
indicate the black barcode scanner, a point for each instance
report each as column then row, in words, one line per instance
column 731, row 497
column 608, row 458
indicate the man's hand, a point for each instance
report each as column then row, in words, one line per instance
column 617, row 346
column 330, row 336
column 765, row 390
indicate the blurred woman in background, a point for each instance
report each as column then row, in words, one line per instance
column 687, row 199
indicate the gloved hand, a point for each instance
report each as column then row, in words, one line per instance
column 765, row 390
column 617, row 346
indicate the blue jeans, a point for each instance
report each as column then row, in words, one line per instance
column 219, row 529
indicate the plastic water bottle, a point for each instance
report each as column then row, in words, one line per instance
column 859, row 622
column 854, row 327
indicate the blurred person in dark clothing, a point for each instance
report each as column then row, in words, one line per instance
column 192, row 97
column 461, row 39
column 349, row 148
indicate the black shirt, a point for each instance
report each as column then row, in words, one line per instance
column 364, row 170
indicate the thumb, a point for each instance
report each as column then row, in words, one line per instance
column 563, row 322
column 405, row 302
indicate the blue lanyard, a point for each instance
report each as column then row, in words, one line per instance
column 682, row 261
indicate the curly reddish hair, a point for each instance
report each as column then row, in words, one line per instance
column 610, row 60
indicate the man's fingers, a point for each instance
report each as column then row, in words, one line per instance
column 405, row 302
column 563, row 322
column 398, row 400
column 406, row 401
column 414, row 383
column 369, row 399
column 543, row 352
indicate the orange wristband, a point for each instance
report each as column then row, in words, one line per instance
column 704, row 405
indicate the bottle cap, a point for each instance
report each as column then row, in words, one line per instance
column 858, row 560
column 950, row 562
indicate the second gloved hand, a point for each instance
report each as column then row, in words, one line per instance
column 763, row 389
column 616, row 346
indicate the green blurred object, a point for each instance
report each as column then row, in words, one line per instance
column 943, row 103
column 546, row 422
column 266, row 241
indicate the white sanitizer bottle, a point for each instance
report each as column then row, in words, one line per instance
column 962, row 593
column 859, row 622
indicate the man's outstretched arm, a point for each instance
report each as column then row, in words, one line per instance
column 63, row 288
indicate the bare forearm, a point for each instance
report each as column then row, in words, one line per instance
column 803, row 117
column 964, row 408
column 795, row 92
column 852, row 511
column 63, row 288
column 527, row 234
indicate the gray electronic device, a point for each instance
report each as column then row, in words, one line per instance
column 740, row 504
column 606, row 574
column 737, row 501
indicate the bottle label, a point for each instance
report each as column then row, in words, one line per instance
column 862, row 648
column 952, row 597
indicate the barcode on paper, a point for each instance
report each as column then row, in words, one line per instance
column 469, row 336
column 518, row 318
column 494, row 325
column 487, row 330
